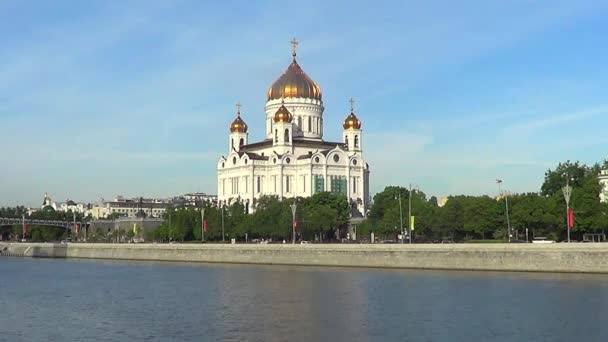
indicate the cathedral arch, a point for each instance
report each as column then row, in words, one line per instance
column 356, row 141
column 241, row 142
column 286, row 135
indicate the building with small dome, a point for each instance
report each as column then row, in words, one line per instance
column 294, row 160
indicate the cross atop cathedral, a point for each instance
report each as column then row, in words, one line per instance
column 238, row 108
column 294, row 46
column 352, row 104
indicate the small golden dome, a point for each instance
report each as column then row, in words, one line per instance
column 238, row 125
column 294, row 83
column 282, row 114
column 352, row 122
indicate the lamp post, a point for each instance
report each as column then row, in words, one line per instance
column 293, row 207
column 499, row 181
column 401, row 217
column 567, row 190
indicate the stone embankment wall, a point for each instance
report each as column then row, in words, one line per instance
column 576, row 257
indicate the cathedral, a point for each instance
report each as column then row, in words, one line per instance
column 294, row 160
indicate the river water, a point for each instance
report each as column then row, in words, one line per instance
column 86, row 300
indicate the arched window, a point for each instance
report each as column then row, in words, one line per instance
column 276, row 135
column 242, row 142
column 286, row 135
column 259, row 184
column 356, row 141
column 346, row 141
column 309, row 124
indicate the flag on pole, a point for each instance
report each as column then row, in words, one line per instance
column 205, row 228
column 570, row 218
column 77, row 228
column 295, row 225
column 412, row 218
column 25, row 228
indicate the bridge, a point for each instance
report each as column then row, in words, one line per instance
column 4, row 221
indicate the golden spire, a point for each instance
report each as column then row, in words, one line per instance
column 238, row 109
column 294, row 46
column 352, row 104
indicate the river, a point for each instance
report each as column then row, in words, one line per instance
column 87, row 300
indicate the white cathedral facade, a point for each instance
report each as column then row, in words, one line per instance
column 294, row 160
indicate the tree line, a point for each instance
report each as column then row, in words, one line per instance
column 325, row 216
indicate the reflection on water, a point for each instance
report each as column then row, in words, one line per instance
column 64, row 300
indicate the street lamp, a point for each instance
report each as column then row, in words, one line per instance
column 567, row 191
column 293, row 207
column 401, row 217
column 499, row 181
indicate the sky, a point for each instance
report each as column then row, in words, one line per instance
column 100, row 98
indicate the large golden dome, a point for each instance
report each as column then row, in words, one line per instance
column 294, row 83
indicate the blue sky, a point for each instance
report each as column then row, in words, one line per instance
column 99, row 98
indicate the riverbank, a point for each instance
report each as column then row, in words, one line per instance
column 571, row 258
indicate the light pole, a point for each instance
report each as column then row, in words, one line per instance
column 567, row 190
column 293, row 207
column 499, row 181
column 401, row 217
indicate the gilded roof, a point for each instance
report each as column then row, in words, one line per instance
column 294, row 83
column 283, row 114
column 352, row 122
column 238, row 125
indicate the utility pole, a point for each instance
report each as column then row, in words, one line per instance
column 499, row 181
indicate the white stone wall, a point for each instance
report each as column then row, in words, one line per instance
column 287, row 176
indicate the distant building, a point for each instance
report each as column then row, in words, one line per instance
column 442, row 201
column 147, row 207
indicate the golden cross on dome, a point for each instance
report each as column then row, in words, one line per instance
column 294, row 46
column 352, row 104
column 238, row 108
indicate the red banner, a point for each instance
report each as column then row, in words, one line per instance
column 570, row 218
column 77, row 228
column 205, row 226
column 295, row 225
column 25, row 228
